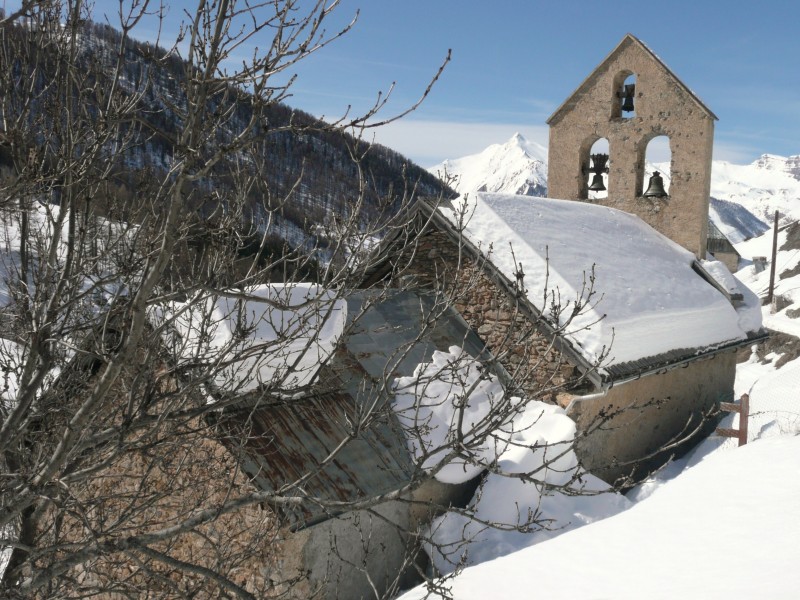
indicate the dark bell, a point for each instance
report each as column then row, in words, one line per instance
column 627, row 97
column 597, row 183
column 655, row 188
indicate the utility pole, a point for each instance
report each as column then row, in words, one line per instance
column 772, row 263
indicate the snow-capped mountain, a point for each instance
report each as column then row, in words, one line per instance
column 744, row 197
column 518, row 166
column 735, row 221
column 768, row 184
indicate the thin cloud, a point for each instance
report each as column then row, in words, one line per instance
column 734, row 152
column 429, row 142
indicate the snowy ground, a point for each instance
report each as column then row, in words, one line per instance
column 720, row 523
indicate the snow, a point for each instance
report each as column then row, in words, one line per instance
column 787, row 279
column 749, row 307
column 734, row 221
column 721, row 275
column 11, row 363
column 274, row 334
column 518, row 166
column 767, row 184
column 644, row 304
column 726, row 528
column 719, row 523
column 537, row 477
column 751, row 316
column 534, row 470
column 447, row 398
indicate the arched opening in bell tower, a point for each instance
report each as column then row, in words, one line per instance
column 623, row 102
column 597, row 169
column 655, row 175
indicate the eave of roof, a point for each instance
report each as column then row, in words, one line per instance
column 428, row 216
column 283, row 440
column 623, row 372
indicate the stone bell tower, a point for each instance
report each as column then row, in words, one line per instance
column 630, row 99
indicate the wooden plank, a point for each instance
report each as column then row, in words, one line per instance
column 728, row 432
column 730, row 407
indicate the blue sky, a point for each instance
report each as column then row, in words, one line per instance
column 515, row 61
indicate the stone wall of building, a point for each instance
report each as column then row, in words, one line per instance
column 648, row 415
column 663, row 106
column 351, row 556
column 729, row 259
column 536, row 366
column 141, row 486
column 155, row 489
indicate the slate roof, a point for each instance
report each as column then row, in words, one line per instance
column 718, row 242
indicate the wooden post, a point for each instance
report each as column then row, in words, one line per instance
column 744, row 416
column 743, row 408
column 774, row 256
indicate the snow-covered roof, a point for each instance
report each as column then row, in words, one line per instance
column 277, row 335
column 387, row 335
column 648, row 300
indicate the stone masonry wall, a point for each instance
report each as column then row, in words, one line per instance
column 663, row 106
column 163, row 478
column 539, row 369
column 649, row 415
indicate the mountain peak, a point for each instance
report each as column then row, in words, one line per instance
column 517, row 167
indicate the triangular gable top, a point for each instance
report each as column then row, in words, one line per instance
column 628, row 40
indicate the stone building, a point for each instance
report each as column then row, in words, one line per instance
column 298, row 443
column 589, row 307
column 721, row 248
column 631, row 98
column 365, row 497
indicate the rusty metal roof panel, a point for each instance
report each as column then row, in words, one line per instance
column 286, row 446
column 281, row 442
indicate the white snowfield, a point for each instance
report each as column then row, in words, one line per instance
column 647, row 299
column 726, row 528
column 767, row 184
column 517, row 166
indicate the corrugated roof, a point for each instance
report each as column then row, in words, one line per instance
column 717, row 241
column 281, row 441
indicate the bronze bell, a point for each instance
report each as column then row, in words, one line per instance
column 655, row 188
column 597, row 183
column 627, row 97
column 598, row 167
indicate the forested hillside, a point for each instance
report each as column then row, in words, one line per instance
column 308, row 172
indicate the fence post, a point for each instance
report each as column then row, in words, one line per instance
column 743, row 408
column 744, row 417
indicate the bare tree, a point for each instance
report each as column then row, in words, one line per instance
column 146, row 300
